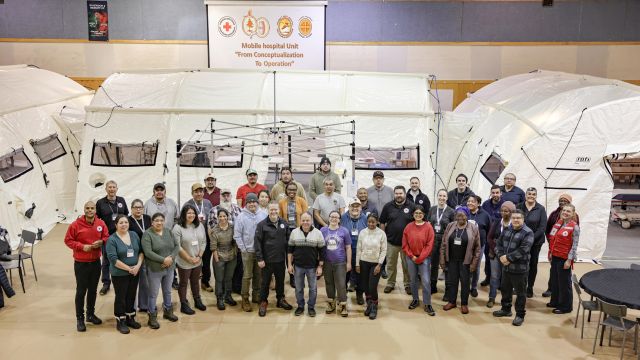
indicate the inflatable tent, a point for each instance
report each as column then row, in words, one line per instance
column 176, row 126
column 41, row 117
column 553, row 130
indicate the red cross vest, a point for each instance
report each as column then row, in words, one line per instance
column 561, row 239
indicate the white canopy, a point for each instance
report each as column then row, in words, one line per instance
column 552, row 130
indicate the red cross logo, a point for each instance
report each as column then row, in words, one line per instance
column 226, row 26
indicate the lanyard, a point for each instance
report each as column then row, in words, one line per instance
column 459, row 235
column 439, row 215
column 199, row 209
column 110, row 208
column 137, row 223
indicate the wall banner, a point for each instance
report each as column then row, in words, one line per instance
column 98, row 20
column 266, row 34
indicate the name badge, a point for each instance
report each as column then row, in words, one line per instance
column 201, row 217
column 369, row 252
column 113, row 217
column 436, row 228
column 354, row 232
column 194, row 243
column 129, row 253
column 457, row 241
column 553, row 231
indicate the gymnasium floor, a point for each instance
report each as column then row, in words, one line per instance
column 41, row 324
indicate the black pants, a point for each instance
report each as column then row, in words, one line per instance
column 236, row 281
column 458, row 274
column 561, row 292
column 368, row 280
column 206, row 262
column 435, row 262
column 106, row 275
column 487, row 263
column 353, row 277
column 125, row 288
column 518, row 282
column 87, row 276
column 269, row 270
column 533, row 266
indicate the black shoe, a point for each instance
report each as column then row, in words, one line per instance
column 445, row 298
column 407, row 289
column 132, row 323
column 474, row 293
column 312, row 312
column 384, row 274
column 560, row 311
column 429, row 310
column 220, row 303
column 283, row 304
column 228, row 299
column 299, row 311
column 359, row 298
column 374, row 311
column 197, row 302
column 367, row 311
column 502, row 313
column 546, row 293
column 485, row 282
column 104, row 290
column 94, row 319
column 388, row 289
column 414, row 304
column 185, row 308
column 121, row 326
column 529, row 293
column 550, row 305
column 80, row 326
column 517, row 321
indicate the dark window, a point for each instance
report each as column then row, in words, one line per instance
column 405, row 158
column 48, row 149
column 492, row 168
column 14, row 164
column 113, row 154
column 199, row 155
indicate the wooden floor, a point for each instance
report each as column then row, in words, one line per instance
column 41, row 324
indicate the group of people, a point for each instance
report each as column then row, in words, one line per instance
column 264, row 234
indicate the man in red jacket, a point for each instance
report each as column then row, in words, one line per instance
column 85, row 237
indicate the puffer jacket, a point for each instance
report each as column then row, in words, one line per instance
column 516, row 245
column 5, row 286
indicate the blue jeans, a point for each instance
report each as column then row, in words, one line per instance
column 476, row 274
column 159, row 279
column 424, row 270
column 143, row 288
column 299, row 275
column 496, row 276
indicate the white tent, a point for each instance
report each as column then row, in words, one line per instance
column 553, row 130
column 41, row 117
column 244, row 119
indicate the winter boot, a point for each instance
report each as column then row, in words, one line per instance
column 169, row 315
column 121, row 325
column 131, row 321
column 198, row 304
column 184, row 308
column 153, row 320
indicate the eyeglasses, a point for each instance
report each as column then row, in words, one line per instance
column 510, row 178
column 137, row 207
column 334, row 217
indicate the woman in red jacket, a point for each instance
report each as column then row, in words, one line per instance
column 563, row 251
column 85, row 237
column 417, row 245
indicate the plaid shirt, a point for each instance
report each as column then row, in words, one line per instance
column 516, row 245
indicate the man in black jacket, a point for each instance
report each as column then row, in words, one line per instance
column 483, row 220
column 271, row 251
column 513, row 249
column 416, row 196
column 459, row 196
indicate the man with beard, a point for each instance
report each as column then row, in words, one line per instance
column 279, row 190
column 251, row 187
column 316, row 184
column 211, row 191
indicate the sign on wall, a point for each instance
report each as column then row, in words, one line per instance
column 98, row 20
column 266, row 34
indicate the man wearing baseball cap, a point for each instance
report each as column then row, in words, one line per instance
column 211, row 191
column 251, row 187
column 379, row 193
column 316, row 184
column 354, row 220
column 203, row 209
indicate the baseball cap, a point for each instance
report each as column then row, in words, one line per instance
column 209, row 176
column 225, row 191
column 251, row 197
column 251, row 171
column 196, row 186
column 378, row 173
column 355, row 201
column 159, row 185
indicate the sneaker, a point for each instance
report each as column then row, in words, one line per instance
column 502, row 313
column 299, row 311
column 429, row 310
column 546, row 293
column 312, row 312
column 529, row 293
column 407, row 289
column 414, row 304
column 388, row 289
column 474, row 293
column 517, row 321
column 485, row 282
column 104, row 290
column 491, row 302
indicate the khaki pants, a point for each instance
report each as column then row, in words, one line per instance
column 251, row 275
column 392, row 265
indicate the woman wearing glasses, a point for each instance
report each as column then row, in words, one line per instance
column 139, row 223
column 417, row 245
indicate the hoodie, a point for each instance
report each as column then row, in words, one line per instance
column 81, row 233
column 244, row 229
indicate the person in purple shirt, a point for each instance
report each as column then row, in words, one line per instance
column 337, row 262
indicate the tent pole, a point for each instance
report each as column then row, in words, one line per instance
column 178, row 176
column 211, row 160
column 353, row 152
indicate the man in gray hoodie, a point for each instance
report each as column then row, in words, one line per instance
column 244, row 232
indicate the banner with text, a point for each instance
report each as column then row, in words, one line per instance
column 266, row 34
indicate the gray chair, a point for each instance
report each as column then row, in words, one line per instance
column 634, row 267
column 613, row 316
column 29, row 237
column 587, row 305
column 9, row 263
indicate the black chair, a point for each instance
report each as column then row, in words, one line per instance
column 587, row 305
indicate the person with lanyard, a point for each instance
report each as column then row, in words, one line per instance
column 439, row 216
column 417, row 245
column 251, row 187
column 225, row 251
column 139, row 223
column 337, row 262
column 189, row 232
column 459, row 196
column 416, row 196
column 459, row 254
column 305, row 258
column 211, row 191
column 125, row 257
column 393, row 219
column 370, row 254
column 497, row 227
column 510, row 192
column 264, row 200
column 492, row 206
column 379, row 194
column 563, row 199
column 480, row 218
column 279, row 190
column 203, row 209
column 367, row 207
column 355, row 221
column 160, row 251
column 292, row 206
column 107, row 209
column 316, row 184
column 271, row 251
column 563, row 252
column 86, row 236
column 513, row 250
column 535, row 217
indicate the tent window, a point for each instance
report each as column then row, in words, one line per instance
column 48, row 149
column 405, row 158
column 492, row 168
column 113, row 154
column 14, row 164
column 199, row 155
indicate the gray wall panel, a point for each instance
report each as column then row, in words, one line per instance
column 171, row 19
column 34, row 19
column 3, row 22
column 421, row 21
column 354, row 21
column 74, row 19
column 602, row 20
column 125, row 19
column 632, row 21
